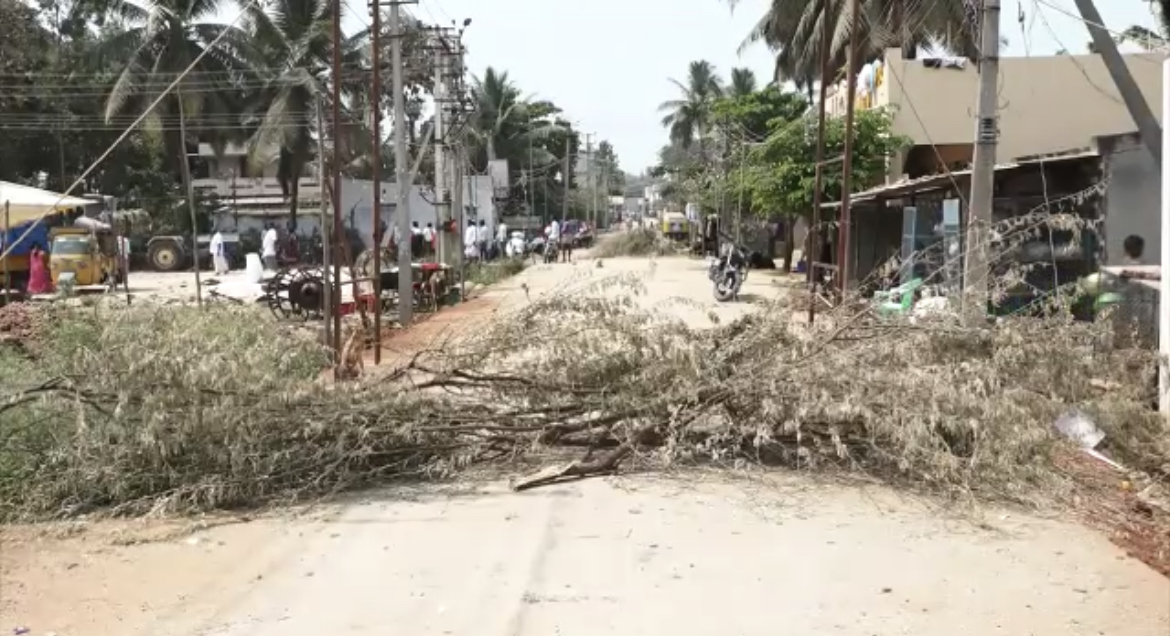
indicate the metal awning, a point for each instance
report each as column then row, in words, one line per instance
column 931, row 182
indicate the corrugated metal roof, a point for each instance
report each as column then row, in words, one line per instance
column 938, row 181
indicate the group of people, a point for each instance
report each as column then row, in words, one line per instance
column 556, row 239
column 479, row 244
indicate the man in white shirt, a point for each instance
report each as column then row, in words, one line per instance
column 469, row 240
column 219, row 254
column 268, row 248
column 554, row 241
column 502, row 234
column 428, row 240
column 482, row 237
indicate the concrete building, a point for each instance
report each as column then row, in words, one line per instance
column 252, row 190
column 1048, row 104
column 1133, row 201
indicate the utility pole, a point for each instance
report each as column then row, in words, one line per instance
column 457, row 214
column 376, row 168
column 1106, row 47
column 843, row 251
column 337, row 233
column 186, row 167
column 402, row 209
column 327, row 295
column 604, row 220
column 815, row 235
column 983, row 170
column 590, row 179
column 1164, row 283
column 568, row 166
column 441, row 211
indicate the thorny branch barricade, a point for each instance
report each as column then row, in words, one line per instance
column 824, row 289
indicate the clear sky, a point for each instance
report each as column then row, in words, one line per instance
column 607, row 63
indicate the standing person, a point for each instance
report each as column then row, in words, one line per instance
column 39, row 280
column 482, row 237
column 1133, row 246
column 554, row 241
column 429, row 240
column 124, row 256
column 567, row 239
column 268, row 247
column 502, row 236
column 470, row 237
column 416, row 241
column 219, row 253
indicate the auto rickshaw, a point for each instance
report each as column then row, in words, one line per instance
column 89, row 255
column 675, row 226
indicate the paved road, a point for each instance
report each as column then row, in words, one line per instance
column 697, row 554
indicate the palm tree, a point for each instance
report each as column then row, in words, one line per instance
column 689, row 118
column 295, row 38
column 507, row 125
column 743, row 82
column 499, row 107
column 163, row 38
column 794, row 28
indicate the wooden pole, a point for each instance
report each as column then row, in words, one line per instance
column 815, row 236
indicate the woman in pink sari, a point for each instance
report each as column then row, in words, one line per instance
column 39, row 281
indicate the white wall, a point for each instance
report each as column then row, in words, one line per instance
column 357, row 206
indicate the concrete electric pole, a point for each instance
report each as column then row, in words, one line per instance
column 844, row 260
column 979, row 217
column 442, row 213
column 568, row 167
column 376, row 168
column 590, row 179
column 402, row 171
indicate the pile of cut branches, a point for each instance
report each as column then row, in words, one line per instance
column 178, row 410
column 636, row 242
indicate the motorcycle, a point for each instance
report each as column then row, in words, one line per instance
column 728, row 272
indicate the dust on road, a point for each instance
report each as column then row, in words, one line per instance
column 695, row 554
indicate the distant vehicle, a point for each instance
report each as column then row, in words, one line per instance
column 579, row 231
column 172, row 253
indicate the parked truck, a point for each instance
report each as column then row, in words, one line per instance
column 14, row 266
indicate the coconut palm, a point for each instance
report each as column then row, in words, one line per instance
column 1151, row 39
column 689, row 117
column 743, row 82
column 295, row 38
column 794, row 28
column 161, row 39
column 507, row 125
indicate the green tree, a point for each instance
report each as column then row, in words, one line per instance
column 295, row 40
column 689, row 117
column 162, row 39
column 743, row 82
column 794, row 30
column 778, row 177
column 751, row 115
column 609, row 170
column 780, row 173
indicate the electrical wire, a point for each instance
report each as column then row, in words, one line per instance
column 81, row 179
column 1072, row 58
column 1116, row 34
